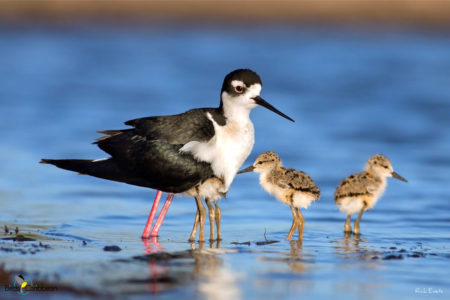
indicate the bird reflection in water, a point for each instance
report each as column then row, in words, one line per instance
column 354, row 247
column 215, row 280
column 357, row 254
column 203, row 265
column 156, row 271
column 294, row 258
column 212, row 244
column 151, row 245
column 295, row 263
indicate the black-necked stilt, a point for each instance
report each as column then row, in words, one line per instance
column 361, row 191
column 179, row 153
column 292, row 187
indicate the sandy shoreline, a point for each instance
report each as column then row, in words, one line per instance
column 407, row 12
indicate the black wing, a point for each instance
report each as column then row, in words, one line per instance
column 192, row 125
column 150, row 150
column 159, row 164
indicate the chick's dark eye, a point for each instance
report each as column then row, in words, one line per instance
column 239, row 89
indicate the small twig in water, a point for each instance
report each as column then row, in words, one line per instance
column 266, row 242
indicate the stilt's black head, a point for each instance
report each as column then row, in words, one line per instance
column 240, row 92
column 247, row 76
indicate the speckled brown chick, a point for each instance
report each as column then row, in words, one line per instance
column 361, row 191
column 292, row 187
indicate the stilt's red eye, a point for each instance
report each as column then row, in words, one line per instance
column 239, row 89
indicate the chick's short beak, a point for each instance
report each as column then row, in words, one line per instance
column 248, row 169
column 395, row 175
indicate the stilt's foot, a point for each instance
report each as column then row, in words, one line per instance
column 151, row 216
column 218, row 215
column 294, row 224
column 201, row 244
column 201, row 238
column 347, row 225
column 356, row 229
column 202, row 214
column 300, row 223
column 194, row 228
column 301, row 229
column 212, row 217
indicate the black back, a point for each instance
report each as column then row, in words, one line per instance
column 149, row 152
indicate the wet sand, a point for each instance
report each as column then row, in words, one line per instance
column 201, row 270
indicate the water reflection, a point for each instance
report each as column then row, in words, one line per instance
column 357, row 254
column 155, row 271
column 295, row 262
column 292, row 258
column 201, row 244
column 216, row 280
column 355, row 246
column 151, row 245
column 350, row 245
column 202, row 265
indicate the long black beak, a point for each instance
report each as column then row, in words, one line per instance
column 395, row 175
column 248, row 169
column 262, row 102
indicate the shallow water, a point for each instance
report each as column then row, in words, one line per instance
column 353, row 93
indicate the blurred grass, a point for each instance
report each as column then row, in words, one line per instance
column 407, row 12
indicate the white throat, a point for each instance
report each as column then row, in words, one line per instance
column 237, row 108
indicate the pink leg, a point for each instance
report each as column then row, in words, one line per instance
column 161, row 216
column 151, row 245
column 151, row 216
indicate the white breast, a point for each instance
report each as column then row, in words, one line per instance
column 227, row 150
column 264, row 180
column 377, row 193
column 300, row 200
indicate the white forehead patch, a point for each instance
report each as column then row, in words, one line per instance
column 255, row 89
column 236, row 83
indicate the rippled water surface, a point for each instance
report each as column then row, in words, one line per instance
column 352, row 93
